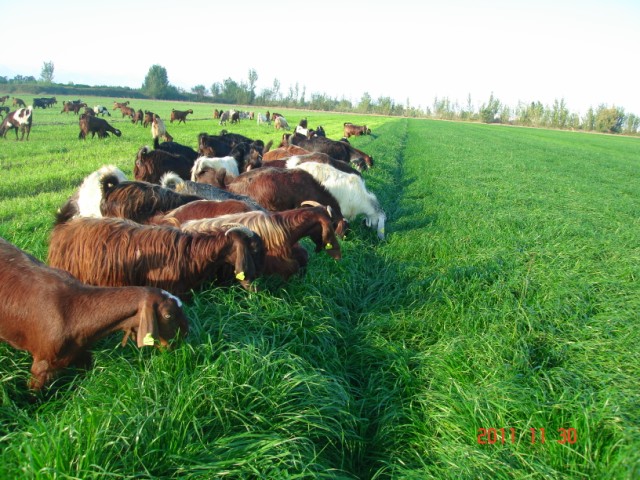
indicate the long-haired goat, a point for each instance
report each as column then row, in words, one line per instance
column 350, row 192
column 283, row 152
column 281, row 232
column 207, row 191
column 56, row 318
column 117, row 252
column 198, row 210
column 176, row 148
column 151, row 165
column 278, row 189
column 319, row 157
column 337, row 149
column 159, row 129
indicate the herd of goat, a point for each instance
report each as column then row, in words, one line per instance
column 123, row 254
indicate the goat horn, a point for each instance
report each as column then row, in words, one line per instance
column 312, row 203
column 237, row 226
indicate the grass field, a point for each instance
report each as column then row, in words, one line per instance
column 502, row 307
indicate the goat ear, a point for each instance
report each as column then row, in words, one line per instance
column 147, row 332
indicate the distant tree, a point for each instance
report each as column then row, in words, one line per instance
column 46, row 74
column 156, row 83
column 631, row 124
column 365, row 103
column 200, row 91
column 609, row 120
column 251, row 88
column 489, row 111
column 589, row 121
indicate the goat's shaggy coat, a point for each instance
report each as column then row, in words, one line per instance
column 116, row 252
column 56, row 318
column 280, row 232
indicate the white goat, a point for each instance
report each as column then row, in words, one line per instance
column 350, row 193
column 228, row 163
column 90, row 192
column 282, row 123
column 101, row 110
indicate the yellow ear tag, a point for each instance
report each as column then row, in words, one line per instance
column 240, row 276
column 328, row 246
column 148, row 339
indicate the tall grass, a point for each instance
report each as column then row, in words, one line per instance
column 505, row 296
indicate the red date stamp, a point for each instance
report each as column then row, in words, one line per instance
column 500, row 436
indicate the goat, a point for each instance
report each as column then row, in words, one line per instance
column 318, row 157
column 138, row 117
column 158, row 129
column 224, row 117
column 263, row 119
column 18, row 102
column 117, row 105
column 20, row 119
column 179, row 115
column 209, row 192
column 127, row 112
column 242, row 158
column 92, row 124
column 149, row 255
column 101, row 110
column 148, row 118
column 199, row 209
column 281, row 232
column 355, row 130
column 4, row 110
column 278, row 189
column 281, row 123
column 283, row 152
column 3, row 99
column 64, row 317
column 336, row 149
column 150, row 165
column 176, row 148
column 350, row 192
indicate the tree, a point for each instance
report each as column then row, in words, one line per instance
column 156, row 83
column 365, row 103
column 253, row 78
column 489, row 111
column 46, row 74
column 609, row 120
column 200, row 91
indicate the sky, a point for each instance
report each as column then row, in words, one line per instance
column 584, row 52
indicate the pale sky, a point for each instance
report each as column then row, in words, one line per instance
column 582, row 51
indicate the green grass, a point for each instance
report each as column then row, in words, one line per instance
column 505, row 296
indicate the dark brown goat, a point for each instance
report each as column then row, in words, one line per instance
column 179, row 115
column 283, row 152
column 138, row 117
column 151, row 165
column 90, row 124
column 278, row 189
column 336, row 149
column 148, row 118
column 127, row 112
column 150, row 255
column 138, row 201
column 281, row 232
column 63, row 317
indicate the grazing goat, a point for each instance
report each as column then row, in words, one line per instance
column 281, row 232
column 149, row 255
column 179, row 115
column 283, row 152
column 176, row 148
column 3, row 99
column 117, row 105
column 278, row 189
column 242, row 158
column 281, row 123
column 261, row 118
column 158, row 129
column 319, row 157
column 3, row 111
column 350, row 192
column 90, row 124
column 18, row 102
column 138, row 117
column 127, row 112
column 200, row 209
column 205, row 190
column 56, row 318
column 151, row 165
column 101, row 110
column 224, row 117
column 336, row 149
column 355, row 130
column 20, row 119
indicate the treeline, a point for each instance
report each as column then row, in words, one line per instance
column 603, row 118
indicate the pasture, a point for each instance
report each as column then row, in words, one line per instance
column 494, row 334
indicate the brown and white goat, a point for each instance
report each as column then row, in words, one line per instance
column 159, row 129
column 20, row 119
column 118, row 252
column 336, row 149
column 281, row 232
column 56, row 318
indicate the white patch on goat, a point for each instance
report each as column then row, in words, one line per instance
column 90, row 192
column 228, row 163
column 350, row 192
column 177, row 300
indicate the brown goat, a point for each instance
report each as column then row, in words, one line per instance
column 90, row 124
column 337, row 149
column 138, row 117
column 281, row 232
column 277, row 189
column 198, row 210
column 151, row 165
column 283, row 152
column 56, row 318
column 179, row 115
column 117, row 252
column 127, row 112
column 117, row 105
column 148, row 118
column 20, row 119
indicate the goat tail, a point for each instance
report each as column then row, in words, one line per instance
column 171, row 180
column 108, row 183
